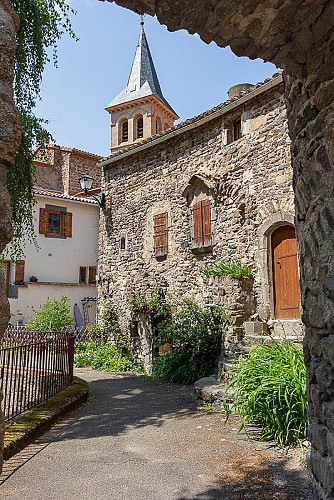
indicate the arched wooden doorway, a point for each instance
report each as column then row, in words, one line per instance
column 285, row 273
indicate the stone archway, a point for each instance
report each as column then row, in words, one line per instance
column 298, row 36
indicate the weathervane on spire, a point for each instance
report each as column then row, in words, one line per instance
column 142, row 20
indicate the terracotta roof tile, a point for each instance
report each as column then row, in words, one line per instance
column 63, row 196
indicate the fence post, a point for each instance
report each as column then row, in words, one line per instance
column 70, row 357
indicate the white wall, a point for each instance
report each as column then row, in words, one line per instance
column 32, row 295
column 57, row 261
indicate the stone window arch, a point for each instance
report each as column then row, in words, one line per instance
column 122, row 243
column 158, row 126
column 139, row 124
column 124, row 131
column 264, row 258
column 199, row 194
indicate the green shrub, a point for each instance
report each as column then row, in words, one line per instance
column 54, row 315
column 270, row 389
column 231, row 268
column 110, row 328
column 195, row 336
column 104, row 357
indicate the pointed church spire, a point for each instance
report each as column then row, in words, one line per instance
column 143, row 80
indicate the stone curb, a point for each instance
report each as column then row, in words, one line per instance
column 24, row 428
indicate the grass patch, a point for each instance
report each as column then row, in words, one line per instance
column 104, row 357
column 269, row 389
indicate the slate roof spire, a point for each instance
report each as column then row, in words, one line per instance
column 143, row 80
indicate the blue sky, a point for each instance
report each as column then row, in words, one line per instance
column 91, row 72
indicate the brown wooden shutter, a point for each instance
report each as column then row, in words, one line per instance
column 43, row 220
column 206, row 218
column 68, row 225
column 161, row 234
column 92, row 275
column 198, row 226
column 19, row 271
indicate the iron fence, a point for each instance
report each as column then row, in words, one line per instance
column 31, row 373
column 18, row 335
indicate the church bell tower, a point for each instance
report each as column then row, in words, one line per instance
column 140, row 110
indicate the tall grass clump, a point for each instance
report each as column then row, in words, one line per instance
column 269, row 387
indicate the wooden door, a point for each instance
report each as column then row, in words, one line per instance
column 285, row 273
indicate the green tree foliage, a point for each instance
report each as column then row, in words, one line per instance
column 269, row 387
column 54, row 315
column 42, row 23
column 194, row 335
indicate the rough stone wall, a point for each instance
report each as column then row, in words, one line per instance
column 60, row 168
column 78, row 166
column 253, row 179
column 9, row 139
column 311, row 118
column 296, row 35
column 288, row 33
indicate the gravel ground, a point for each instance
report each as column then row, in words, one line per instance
column 140, row 439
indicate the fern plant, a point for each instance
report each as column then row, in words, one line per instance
column 231, row 268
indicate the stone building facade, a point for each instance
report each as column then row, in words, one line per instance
column 298, row 37
column 233, row 164
column 59, row 168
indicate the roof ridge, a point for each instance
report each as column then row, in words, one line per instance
column 194, row 119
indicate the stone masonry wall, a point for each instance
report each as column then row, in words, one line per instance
column 60, row 168
column 313, row 150
column 9, row 139
column 253, row 179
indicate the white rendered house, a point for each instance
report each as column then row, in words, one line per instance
column 64, row 261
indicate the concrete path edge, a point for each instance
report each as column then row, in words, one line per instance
column 26, row 427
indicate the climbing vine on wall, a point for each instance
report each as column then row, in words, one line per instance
column 42, row 23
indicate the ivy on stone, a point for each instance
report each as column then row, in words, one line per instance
column 42, row 23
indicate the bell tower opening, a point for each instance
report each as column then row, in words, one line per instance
column 140, row 109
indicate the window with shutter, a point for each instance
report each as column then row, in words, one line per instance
column 92, row 275
column 5, row 268
column 83, row 274
column 237, row 130
column 68, row 225
column 161, row 234
column 43, row 220
column 55, row 222
column 19, row 272
column 202, row 224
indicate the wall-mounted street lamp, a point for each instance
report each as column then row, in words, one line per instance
column 86, row 182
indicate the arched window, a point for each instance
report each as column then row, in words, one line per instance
column 122, row 243
column 125, row 131
column 158, row 126
column 140, row 127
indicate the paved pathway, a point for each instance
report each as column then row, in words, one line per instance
column 138, row 439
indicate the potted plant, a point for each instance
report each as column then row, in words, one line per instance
column 33, row 279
